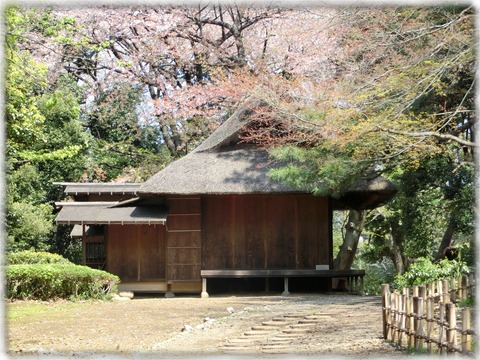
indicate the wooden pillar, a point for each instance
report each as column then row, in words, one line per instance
column 285, row 286
column 386, row 312
column 204, row 293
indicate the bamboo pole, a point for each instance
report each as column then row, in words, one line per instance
column 453, row 294
column 452, row 328
column 401, row 317
column 419, row 329
column 415, row 320
column 439, row 290
column 431, row 289
column 386, row 312
column 446, row 293
column 410, row 323
column 440, row 329
column 466, row 338
column 463, row 287
column 430, row 304
column 395, row 316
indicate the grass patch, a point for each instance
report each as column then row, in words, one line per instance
column 28, row 311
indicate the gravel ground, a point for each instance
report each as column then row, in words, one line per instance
column 313, row 325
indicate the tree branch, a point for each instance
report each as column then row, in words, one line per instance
column 448, row 137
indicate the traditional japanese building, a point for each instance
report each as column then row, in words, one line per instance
column 216, row 214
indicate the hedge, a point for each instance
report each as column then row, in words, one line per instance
column 49, row 276
column 32, row 257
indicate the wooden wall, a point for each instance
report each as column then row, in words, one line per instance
column 184, row 248
column 136, row 252
column 266, row 232
column 223, row 232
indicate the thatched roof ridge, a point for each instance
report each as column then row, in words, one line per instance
column 227, row 133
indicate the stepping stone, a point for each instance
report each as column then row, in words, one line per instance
column 311, row 321
column 275, row 348
column 279, row 318
column 275, row 323
column 287, row 335
column 240, row 342
column 256, row 333
column 297, row 331
column 279, row 340
column 303, row 326
column 264, row 327
column 294, row 315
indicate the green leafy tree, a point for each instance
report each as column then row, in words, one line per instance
column 121, row 144
column 45, row 140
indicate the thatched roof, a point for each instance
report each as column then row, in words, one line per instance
column 222, row 165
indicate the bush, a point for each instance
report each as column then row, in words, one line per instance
column 48, row 276
column 32, row 257
column 381, row 272
column 423, row 271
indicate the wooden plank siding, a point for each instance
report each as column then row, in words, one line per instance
column 184, row 247
column 136, row 252
column 265, row 232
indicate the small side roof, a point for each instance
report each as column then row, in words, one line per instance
column 73, row 213
column 99, row 188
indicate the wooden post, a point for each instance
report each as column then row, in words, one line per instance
column 285, row 287
column 463, row 287
column 419, row 329
column 415, row 320
column 452, row 328
column 431, row 289
column 204, row 293
column 410, row 323
column 401, row 320
column 453, row 295
column 385, row 304
column 466, row 338
column 440, row 329
column 446, row 293
column 430, row 305
column 395, row 314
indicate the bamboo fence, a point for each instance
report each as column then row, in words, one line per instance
column 427, row 318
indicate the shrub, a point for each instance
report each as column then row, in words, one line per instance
column 48, row 276
column 423, row 271
column 32, row 257
column 381, row 272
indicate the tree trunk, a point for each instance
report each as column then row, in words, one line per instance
column 447, row 238
column 346, row 255
column 396, row 255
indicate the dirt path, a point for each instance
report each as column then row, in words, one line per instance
column 262, row 326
